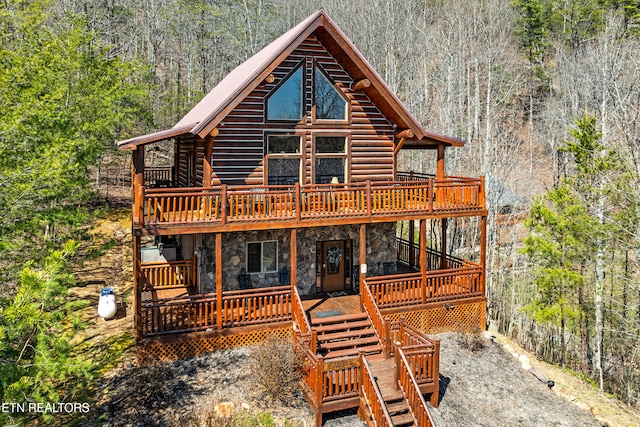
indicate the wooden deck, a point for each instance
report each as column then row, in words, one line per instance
column 233, row 208
column 328, row 305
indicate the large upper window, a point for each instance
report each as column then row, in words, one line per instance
column 330, row 105
column 283, row 159
column 330, row 159
column 262, row 257
column 286, row 102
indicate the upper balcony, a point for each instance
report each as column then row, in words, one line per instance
column 231, row 208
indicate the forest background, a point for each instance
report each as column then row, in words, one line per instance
column 546, row 94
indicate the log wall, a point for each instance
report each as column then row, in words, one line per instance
column 239, row 148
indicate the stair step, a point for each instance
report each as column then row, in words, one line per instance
column 397, row 408
column 339, row 318
column 333, row 345
column 402, row 420
column 391, row 396
column 342, row 326
column 353, row 351
column 346, row 334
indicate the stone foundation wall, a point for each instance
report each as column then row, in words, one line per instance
column 381, row 247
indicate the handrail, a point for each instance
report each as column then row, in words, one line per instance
column 241, row 203
column 372, row 396
column 198, row 312
column 380, row 325
column 411, row 391
column 298, row 313
column 168, row 274
column 405, row 289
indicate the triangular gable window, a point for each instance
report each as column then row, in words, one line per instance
column 330, row 105
column 286, row 102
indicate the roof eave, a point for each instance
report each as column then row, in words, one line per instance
column 203, row 128
column 133, row 143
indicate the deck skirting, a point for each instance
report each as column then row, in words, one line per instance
column 152, row 351
column 464, row 315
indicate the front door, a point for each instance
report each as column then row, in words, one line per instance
column 333, row 265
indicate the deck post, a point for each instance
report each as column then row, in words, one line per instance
column 293, row 257
column 363, row 260
column 318, row 392
column 223, row 213
column 298, row 201
column 483, row 253
column 137, row 303
column 436, row 371
column 440, row 168
column 412, row 241
column 423, row 260
column 443, row 245
column 219, row 280
column 138, row 186
column 207, row 168
column 387, row 338
column 369, row 201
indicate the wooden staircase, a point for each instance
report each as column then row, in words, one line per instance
column 394, row 400
column 345, row 335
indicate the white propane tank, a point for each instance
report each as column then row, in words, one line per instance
column 107, row 304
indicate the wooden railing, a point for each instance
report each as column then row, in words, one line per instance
column 423, row 355
column 225, row 204
column 398, row 290
column 167, row 274
column 332, row 380
column 434, row 258
column 186, row 314
column 381, row 325
column 455, row 283
column 340, row 378
column 171, row 205
column 251, row 306
column 201, row 312
column 411, row 390
column 158, row 176
column 372, row 397
column 298, row 313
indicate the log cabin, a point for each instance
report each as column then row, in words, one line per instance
column 279, row 210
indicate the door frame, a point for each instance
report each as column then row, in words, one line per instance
column 321, row 268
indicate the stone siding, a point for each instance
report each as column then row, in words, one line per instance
column 381, row 248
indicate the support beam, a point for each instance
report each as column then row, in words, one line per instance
column 483, row 253
column 361, row 84
column 362, row 259
column 406, row 133
column 219, row 281
column 138, row 186
column 398, row 146
column 440, row 169
column 137, row 285
column 443, row 245
column 423, row 260
column 293, row 256
column 207, row 168
column 412, row 240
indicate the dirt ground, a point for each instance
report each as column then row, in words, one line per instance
column 489, row 387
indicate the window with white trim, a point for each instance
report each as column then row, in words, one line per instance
column 262, row 257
